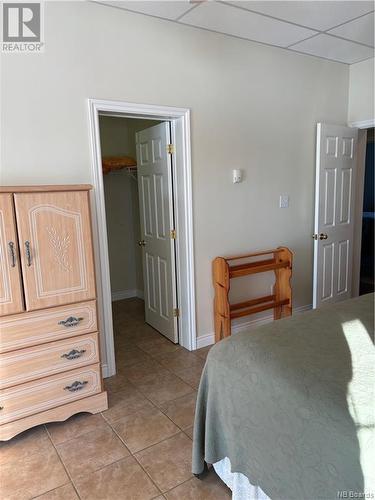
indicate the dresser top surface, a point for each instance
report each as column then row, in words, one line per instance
column 45, row 187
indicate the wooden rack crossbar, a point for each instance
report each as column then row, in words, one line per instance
column 257, row 254
column 280, row 301
column 256, row 309
column 252, row 302
column 256, row 267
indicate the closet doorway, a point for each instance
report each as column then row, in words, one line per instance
column 366, row 277
column 143, row 223
column 138, row 189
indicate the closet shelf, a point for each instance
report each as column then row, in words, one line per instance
column 114, row 163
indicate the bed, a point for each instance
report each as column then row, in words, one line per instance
column 286, row 411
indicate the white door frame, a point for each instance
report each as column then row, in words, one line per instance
column 180, row 127
column 324, row 130
column 358, row 203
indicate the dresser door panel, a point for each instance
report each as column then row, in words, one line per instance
column 56, row 248
column 11, row 300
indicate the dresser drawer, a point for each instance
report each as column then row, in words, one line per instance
column 33, row 397
column 29, row 364
column 33, row 328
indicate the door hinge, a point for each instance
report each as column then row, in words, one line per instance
column 171, row 149
column 176, row 312
column 173, row 234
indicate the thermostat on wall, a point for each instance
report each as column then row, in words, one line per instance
column 237, row 175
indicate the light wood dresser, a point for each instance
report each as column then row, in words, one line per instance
column 49, row 341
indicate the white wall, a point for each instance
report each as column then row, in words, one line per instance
column 253, row 107
column 361, row 91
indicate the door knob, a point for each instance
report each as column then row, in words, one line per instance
column 321, row 236
column 142, row 243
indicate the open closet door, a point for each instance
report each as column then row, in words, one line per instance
column 154, row 171
column 334, row 213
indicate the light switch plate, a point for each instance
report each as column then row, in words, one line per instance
column 284, row 201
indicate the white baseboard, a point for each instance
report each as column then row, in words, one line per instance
column 363, row 124
column 205, row 340
column 209, row 339
column 105, row 370
column 127, row 294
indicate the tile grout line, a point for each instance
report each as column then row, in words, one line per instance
column 156, row 406
column 180, row 431
column 99, row 468
column 122, row 440
column 108, row 425
column 151, row 445
column 154, row 444
column 135, row 458
column 62, row 462
column 81, row 433
column 194, row 389
column 167, row 401
column 169, row 370
column 174, row 487
column 109, row 465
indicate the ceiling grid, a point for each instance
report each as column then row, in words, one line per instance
column 339, row 30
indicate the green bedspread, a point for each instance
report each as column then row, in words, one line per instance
column 291, row 404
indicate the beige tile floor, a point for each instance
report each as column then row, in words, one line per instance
column 139, row 449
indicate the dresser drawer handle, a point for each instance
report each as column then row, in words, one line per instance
column 1, row 408
column 28, row 253
column 12, row 253
column 76, row 386
column 71, row 321
column 73, row 354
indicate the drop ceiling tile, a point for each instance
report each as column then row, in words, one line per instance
column 333, row 48
column 360, row 30
column 168, row 9
column 320, row 15
column 232, row 21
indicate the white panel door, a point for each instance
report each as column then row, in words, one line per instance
column 154, row 170
column 334, row 213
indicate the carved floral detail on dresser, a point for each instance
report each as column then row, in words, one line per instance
column 60, row 245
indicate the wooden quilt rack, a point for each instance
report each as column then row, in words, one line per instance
column 280, row 261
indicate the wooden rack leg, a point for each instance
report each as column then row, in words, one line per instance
column 222, row 328
column 282, row 288
column 221, row 304
column 218, row 324
column 276, row 291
